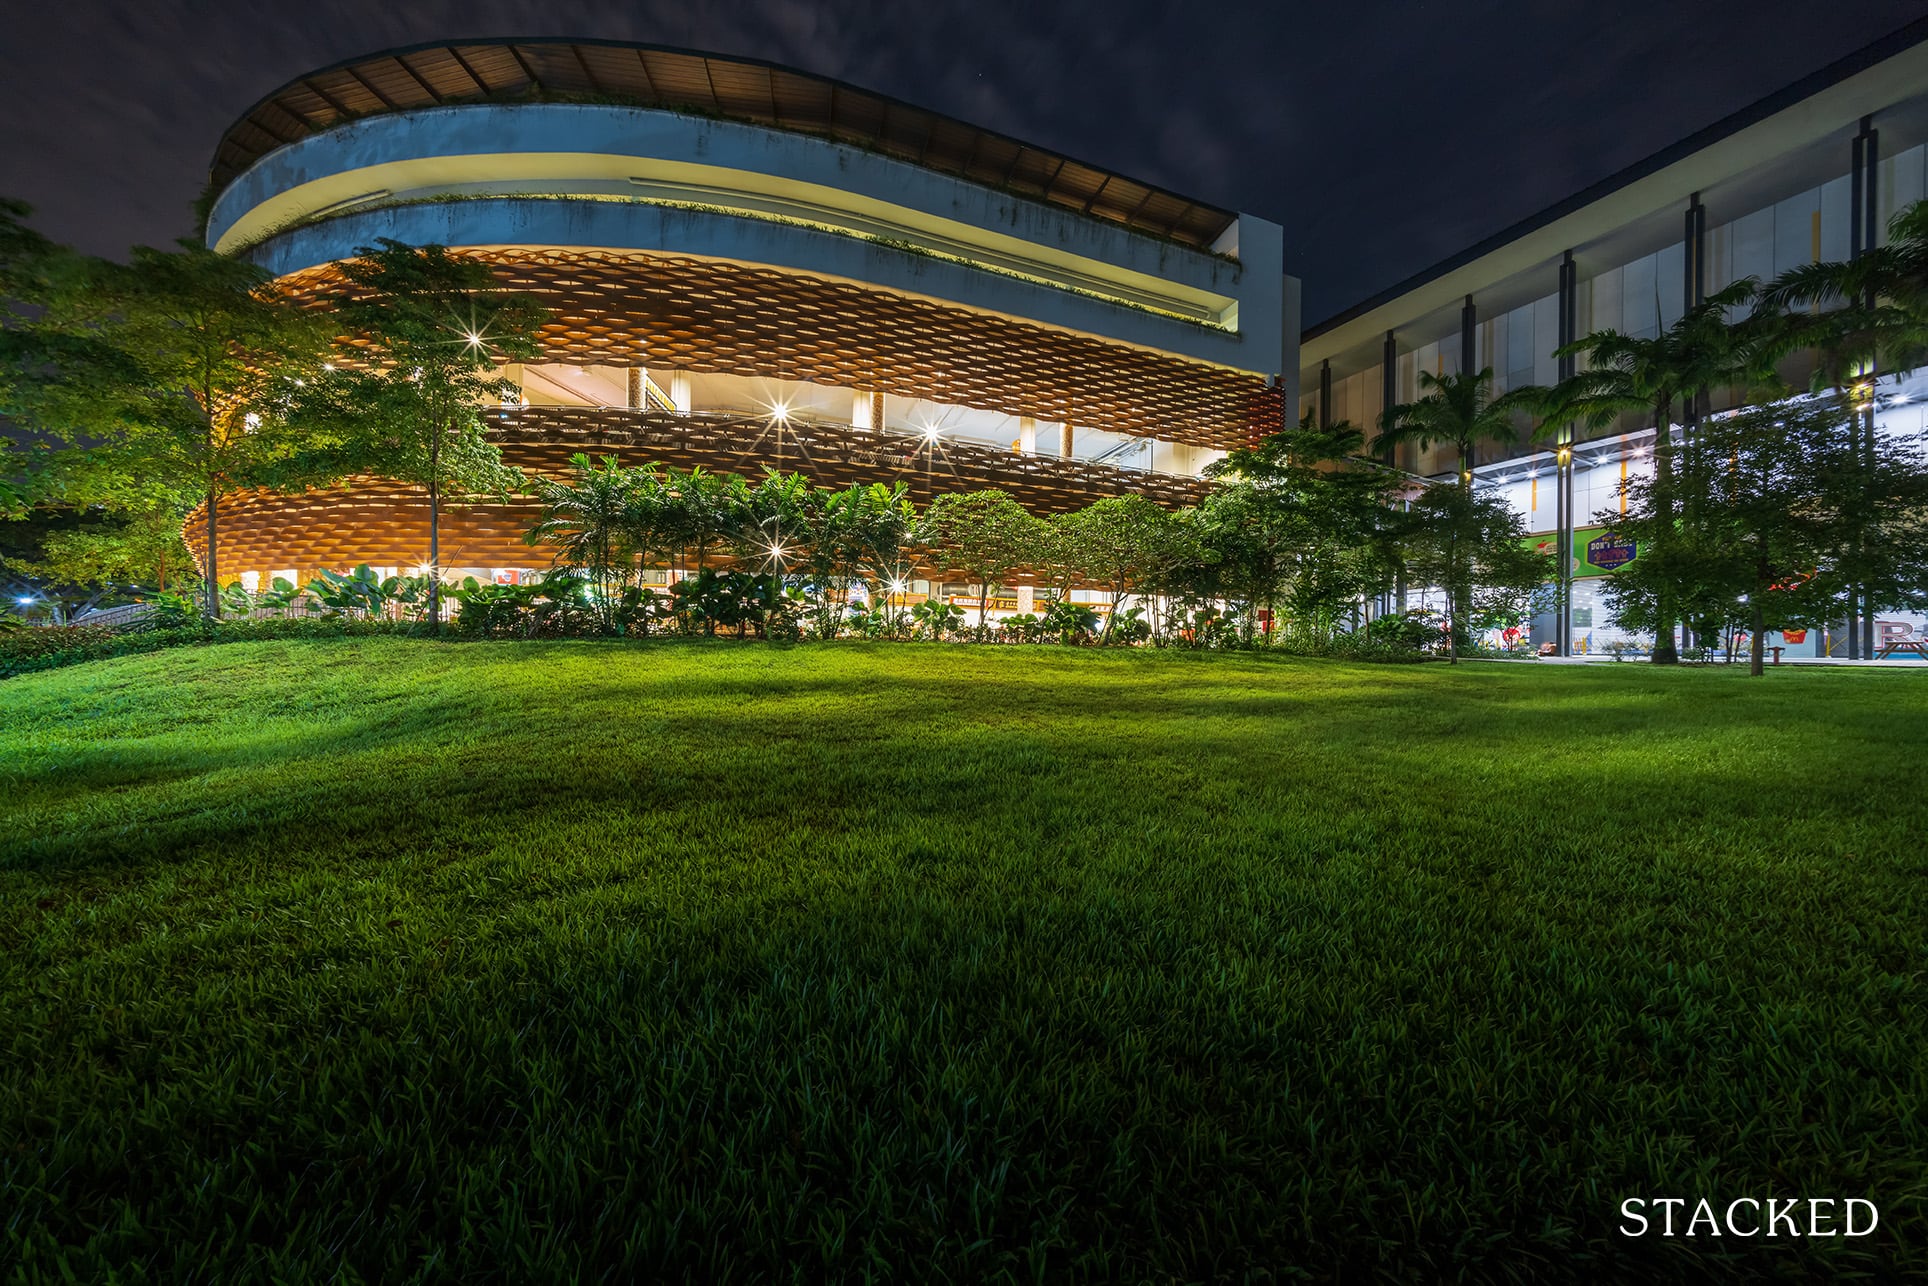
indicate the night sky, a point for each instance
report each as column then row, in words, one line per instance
column 1383, row 136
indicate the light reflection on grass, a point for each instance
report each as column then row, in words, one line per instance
column 720, row 962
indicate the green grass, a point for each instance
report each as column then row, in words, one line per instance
column 726, row 963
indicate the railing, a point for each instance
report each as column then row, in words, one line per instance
column 831, row 453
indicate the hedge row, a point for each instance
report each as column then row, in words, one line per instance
column 49, row 648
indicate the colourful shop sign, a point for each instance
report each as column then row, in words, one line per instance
column 1595, row 551
column 1609, row 552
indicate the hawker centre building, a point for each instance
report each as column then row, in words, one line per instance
column 750, row 267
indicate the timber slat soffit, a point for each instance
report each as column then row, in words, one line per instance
column 386, row 523
column 712, row 317
column 742, row 89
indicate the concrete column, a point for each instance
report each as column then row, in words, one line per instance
column 679, row 391
column 1027, row 599
column 1065, row 441
column 860, row 410
column 636, row 377
column 1027, row 435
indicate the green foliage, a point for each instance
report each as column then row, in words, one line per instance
column 52, row 647
column 129, row 548
column 936, row 619
column 1414, row 631
column 558, row 606
column 1069, row 621
column 1023, row 627
column 1473, row 547
column 164, row 383
column 986, row 534
column 409, row 399
column 1457, row 410
column 1122, row 543
column 1788, row 511
column 364, row 593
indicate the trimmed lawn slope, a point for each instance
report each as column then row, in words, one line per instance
column 401, row 960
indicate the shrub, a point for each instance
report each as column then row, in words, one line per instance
column 1071, row 622
column 51, row 647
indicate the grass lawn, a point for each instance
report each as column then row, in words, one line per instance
column 721, row 963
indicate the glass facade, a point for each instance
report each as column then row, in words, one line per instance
column 1641, row 296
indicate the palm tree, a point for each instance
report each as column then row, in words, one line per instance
column 1857, row 317
column 1699, row 352
column 1885, row 290
column 1459, row 410
column 587, row 521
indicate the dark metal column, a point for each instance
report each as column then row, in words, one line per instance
column 1569, row 307
column 1325, row 394
column 1468, row 337
column 1863, row 230
column 1870, row 233
column 1693, row 292
column 1389, row 398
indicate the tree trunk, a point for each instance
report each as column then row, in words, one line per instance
column 1756, row 646
column 214, row 576
column 435, row 534
column 1664, row 653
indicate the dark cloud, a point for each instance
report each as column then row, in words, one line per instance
column 1384, row 136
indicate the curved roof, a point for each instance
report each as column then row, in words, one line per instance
column 741, row 89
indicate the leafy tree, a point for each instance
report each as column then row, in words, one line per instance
column 1123, row 543
column 1473, row 547
column 1327, row 510
column 165, row 382
column 1771, row 544
column 130, row 550
column 1858, row 317
column 985, row 534
column 408, row 396
column 1698, row 353
column 870, row 528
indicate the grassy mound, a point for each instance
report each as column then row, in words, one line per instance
column 726, row 963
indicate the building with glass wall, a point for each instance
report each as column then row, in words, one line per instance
column 750, row 267
column 1810, row 174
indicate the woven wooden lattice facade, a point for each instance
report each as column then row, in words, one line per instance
column 624, row 309
column 384, row 523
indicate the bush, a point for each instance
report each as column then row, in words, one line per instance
column 51, row 647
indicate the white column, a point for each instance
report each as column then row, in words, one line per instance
column 1027, row 599
column 679, row 391
column 860, row 410
column 1027, row 440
